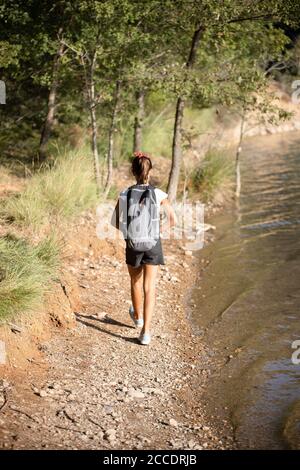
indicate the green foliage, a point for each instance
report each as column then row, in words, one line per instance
column 158, row 128
column 60, row 191
column 214, row 175
column 26, row 272
column 143, row 44
column 197, row 122
column 8, row 54
column 157, row 137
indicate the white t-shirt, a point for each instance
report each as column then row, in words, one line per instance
column 160, row 195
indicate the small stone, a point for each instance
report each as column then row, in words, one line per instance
column 188, row 253
column 136, row 394
column 15, row 328
column 173, row 422
column 157, row 391
column 191, row 444
column 42, row 393
column 115, row 264
column 99, row 315
column 108, row 409
column 110, row 435
column 4, row 384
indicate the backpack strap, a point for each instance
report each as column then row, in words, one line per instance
column 128, row 196
column 152, row 188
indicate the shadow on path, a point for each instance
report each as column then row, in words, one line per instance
column 106, row 319
column 82, row 319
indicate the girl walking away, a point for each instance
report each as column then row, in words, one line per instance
column 137, row 215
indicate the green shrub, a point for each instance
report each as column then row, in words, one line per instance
column 26, row 271
column 214, row 175
column 63, row 190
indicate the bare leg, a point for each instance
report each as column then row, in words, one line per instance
column 150, row 273
column 136, row 278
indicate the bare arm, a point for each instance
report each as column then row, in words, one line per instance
column 115, row 218
column 171, row 218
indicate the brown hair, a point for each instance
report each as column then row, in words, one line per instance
column 141, row 165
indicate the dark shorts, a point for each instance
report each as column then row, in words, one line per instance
column 137, row 258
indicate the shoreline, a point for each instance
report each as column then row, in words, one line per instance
column 252, row 381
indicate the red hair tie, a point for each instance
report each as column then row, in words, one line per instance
column 140, row 154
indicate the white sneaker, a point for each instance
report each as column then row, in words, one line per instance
column 139, row 322
column 145, row 338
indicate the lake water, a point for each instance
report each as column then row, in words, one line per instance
column 248, row 298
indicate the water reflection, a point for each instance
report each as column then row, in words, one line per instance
column 252, row 301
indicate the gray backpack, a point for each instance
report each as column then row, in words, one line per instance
column 142, row 218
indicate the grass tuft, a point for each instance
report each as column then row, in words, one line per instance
column 215, row 175
column 25, row 274
column 63, row 190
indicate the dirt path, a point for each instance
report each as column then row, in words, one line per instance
column 97, row 388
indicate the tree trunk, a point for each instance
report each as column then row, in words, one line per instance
column 237, row 158
column 48, row 124
column 176, row 152
column 138, row 121
column 176, row 146
column 112, row 129
column 94, row 145
column 92, row 106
